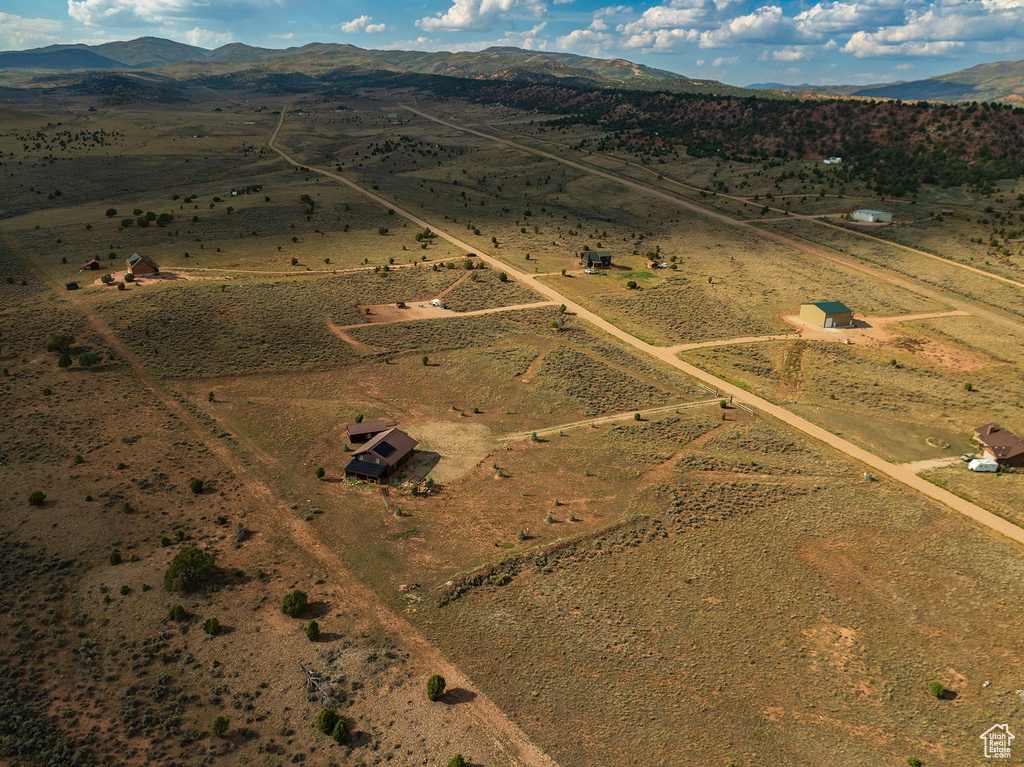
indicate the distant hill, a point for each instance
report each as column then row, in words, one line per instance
column 499, row 63
column 67, row 59
column 1000, row 81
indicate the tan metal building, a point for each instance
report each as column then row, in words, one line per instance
column 827, row 314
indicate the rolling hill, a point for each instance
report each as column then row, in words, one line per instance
column 499, row 63
column 999, row 81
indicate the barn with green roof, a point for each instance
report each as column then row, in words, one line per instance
column 827, row 314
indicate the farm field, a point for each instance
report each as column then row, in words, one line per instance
column 678, row 581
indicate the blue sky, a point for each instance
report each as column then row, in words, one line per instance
column 738, row 42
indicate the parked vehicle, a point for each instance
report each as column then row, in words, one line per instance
column 590, row 271
column 983, row 464
column 400, row 305
column 967, row 457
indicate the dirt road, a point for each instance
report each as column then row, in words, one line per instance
column 786, row 215
column 519, row 436
column 875, row 273
column 896, row 472
column 479, row 714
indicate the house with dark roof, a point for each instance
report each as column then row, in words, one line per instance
column 596, row 259
column 382, row 457
column 1000, row 445
column 91, row 266
column 360, row 432
column 827, row 314
column 142, row 265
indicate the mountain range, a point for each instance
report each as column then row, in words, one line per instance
column 179, row 61
column 1000, row 81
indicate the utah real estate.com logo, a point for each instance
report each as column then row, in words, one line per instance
column 997, row 740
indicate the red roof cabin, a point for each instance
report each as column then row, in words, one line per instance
column 382, row 457
column 91, row 266
column 360, row 432
column 141, row 265
column 1002, row 446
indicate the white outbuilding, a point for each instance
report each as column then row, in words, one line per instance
column 871, row 216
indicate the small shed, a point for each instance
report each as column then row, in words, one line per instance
column 91, row 266
column 872, row 216
column 142, row 265
column 360, row 432
column 1000, row 445
column 827, row 314
column 596, row 258
column 381, row 458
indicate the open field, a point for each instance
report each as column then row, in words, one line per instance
column 695, row 584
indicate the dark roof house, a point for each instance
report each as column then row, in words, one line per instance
column 92, row 265
column 600, row 258
column 381, row 457
column 360, row 432
column 1004, row 447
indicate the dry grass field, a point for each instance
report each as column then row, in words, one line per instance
column 696, row 585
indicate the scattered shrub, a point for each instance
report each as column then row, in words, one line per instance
column 341, row 733
column 37, row 498
column 86, row 359
column 196, row 485
column 936, row 689
column 211, row 626
column 106, row 279
column 115, row 557
column 435, row 688
column 129, row 277
column 320, row 472
column 294, row 603
column 457, row 761
column 327, row 720
column 313, row 631
column 188, row 570
column 220, row 726
column 177, row 613
column 913, row 761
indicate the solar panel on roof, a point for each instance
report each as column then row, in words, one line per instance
column 384, row 449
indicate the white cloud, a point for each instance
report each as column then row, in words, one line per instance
column 722, row 61
column 206, row 38
column 765, row 25
column 589, row 42
column 361, row 24
column 116, row 12
column 479, row 14
column 18, row 32
column 285, row 36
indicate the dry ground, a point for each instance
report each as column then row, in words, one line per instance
column 678, row 589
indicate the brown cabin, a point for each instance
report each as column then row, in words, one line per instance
column 381, row 458
column 1002, row 446
column 142, row 265
column 360, row 432
column 91, row 266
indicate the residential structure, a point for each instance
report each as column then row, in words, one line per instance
column 596, row 258
column 381, row 458
column 872, row 216
column 1000, row 445
column 142, row 265
column 827, row 314
column 360, row 432
column 91, row 266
